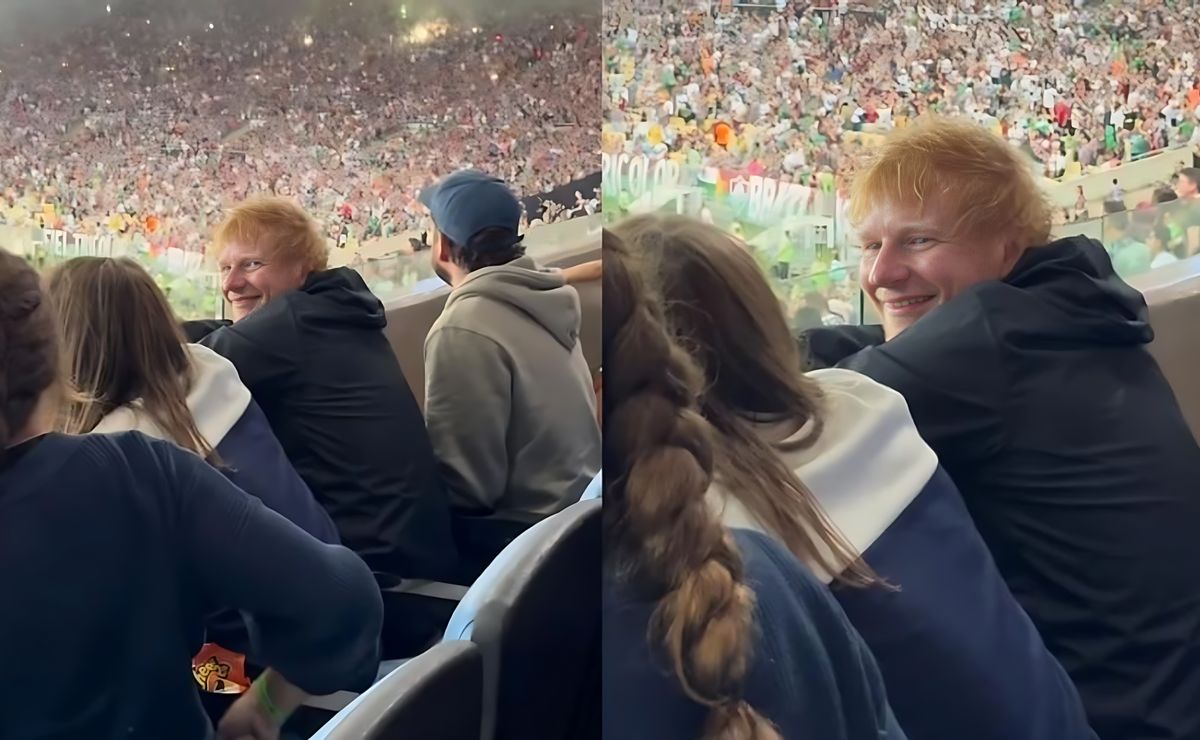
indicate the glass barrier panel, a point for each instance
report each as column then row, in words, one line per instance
column 402, row 265
column 190, row 282
column 1145, row 239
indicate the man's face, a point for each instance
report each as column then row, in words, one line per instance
column 912, row 261
column 250, row 278
column 1185, row 188
column 439, row 257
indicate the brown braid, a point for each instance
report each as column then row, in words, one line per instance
column 28, row 349
column 721, row 308
column 658, row 461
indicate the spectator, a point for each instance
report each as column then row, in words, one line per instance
column 132, row 370
column 1024, row 364
column 138, row 538
column 158, row 161
column 1160, row 247
column 681, row 591
column 1115, row 202
column 1187, row 187
column 509, row 397
column 309, row 344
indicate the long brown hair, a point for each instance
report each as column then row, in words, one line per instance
column 29, row 362
column 123, row 343
column 723, row 311
column 659, row 530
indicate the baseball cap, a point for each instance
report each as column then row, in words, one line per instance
column 469, row 201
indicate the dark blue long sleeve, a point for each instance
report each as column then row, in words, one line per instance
column 810, row 672
column 321, row 638
column 114, row 548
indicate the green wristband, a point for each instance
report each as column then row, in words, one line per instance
column 264, row 698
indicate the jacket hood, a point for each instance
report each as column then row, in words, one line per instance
column 343, row 298
column 1080, row 294
column 863, row 421
column 217, row 399
column 541, row 294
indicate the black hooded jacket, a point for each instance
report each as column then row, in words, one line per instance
column 1042, row 402
column 318, row 363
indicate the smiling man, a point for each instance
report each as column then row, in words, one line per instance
column 1024, row 363
column 309, row 344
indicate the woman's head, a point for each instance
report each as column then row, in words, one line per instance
column 724, row 313
column 122, row 344
column 658, row 458
column 28, row 349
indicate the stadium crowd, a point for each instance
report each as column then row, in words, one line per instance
column 788, row 89
column 125, row 126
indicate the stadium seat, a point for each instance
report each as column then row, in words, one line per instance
column 535, row 614
column 417, row 611
column 480, row 539
column 437, row 695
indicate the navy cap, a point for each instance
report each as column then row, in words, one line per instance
column 469, row 201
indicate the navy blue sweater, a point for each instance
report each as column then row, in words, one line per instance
column 256, row 463
column 113, row 547
column 959, row 656
column 810, row 674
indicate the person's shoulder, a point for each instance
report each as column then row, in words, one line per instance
column 129, row 463
column 766, row 561
column 268, row 317
column 963, row 324
column 841, row 386
column 132, row 448
column 825, row 346
column 805, row 645
column 789, row 600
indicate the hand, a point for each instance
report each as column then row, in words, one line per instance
column 247, row 719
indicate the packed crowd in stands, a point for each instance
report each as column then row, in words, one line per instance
column 127, row 126
column 794, row 89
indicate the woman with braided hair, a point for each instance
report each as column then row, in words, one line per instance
column 835, row 454
column 115, row 547
column 708, row 633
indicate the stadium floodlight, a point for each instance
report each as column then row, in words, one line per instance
column 107, row 8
